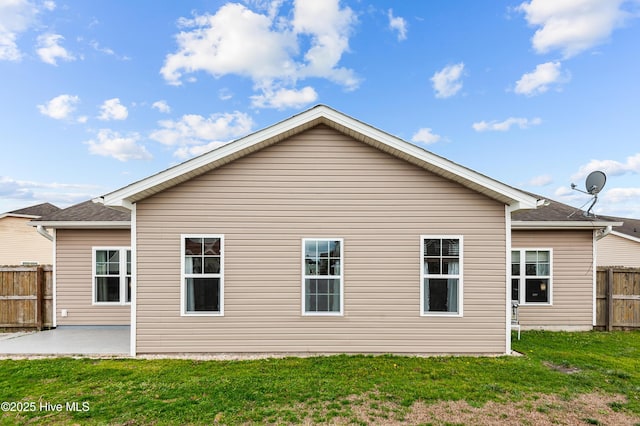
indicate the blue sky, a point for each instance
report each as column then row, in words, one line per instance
column 97, row 94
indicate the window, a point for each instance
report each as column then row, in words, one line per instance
column 441, row 273
column 531, row 276
column 202, row 274
column 111, row 275
column 322, row 264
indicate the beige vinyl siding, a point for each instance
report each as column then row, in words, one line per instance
column 74, row 280
column 320, row 184
column 572, row 277
column 20, row 242
column 614, row 250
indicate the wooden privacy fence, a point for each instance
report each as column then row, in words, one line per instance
column 26, row 297
column 617, row 298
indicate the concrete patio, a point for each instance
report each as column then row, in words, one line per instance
column 68, row 340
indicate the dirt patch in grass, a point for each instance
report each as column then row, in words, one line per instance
column 595, row 409
column 561, row 368
column 542, row 410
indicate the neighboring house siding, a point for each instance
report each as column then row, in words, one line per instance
column 74, row 279
column 614, row 250
column 572, row 279
column 320, row 184
column 20, row 242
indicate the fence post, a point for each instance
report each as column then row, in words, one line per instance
column 609, row 299
column 39, row 296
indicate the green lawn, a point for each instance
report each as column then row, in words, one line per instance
column 318, row 389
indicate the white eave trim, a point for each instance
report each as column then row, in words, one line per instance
column 320, row 114
column 532, row 225
column 623, row 235
column 22, row 216
column 105, row 224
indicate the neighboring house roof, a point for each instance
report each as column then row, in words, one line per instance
column 32, row 212
column 556, row 215
column 85, row 215
column 124, row 197
column 629, row 229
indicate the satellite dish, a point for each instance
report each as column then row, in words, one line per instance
column 595, row 182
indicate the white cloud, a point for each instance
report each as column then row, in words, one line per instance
column 426, row 136
column 194, row 134
column 542, row 180
column 112, row 109
column 193, row 151
column 618, row 195
column 59, row 194
column 60, row 108
column 572, row 26
column 109, row 143
column 162, row 106
column 107, row 51
column 225, row 94
column 610, row 167
column 398, row 24
column 503, row 126
column 329, row 27
column 16, row 17
column 284, row 98
column 446, row 82
column 539, row 80
column 49, row 5
column 267, row 48
column 233, row 41
column 50, row 50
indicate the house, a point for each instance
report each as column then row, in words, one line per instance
column 321, row 234
column 621, row 247
column 20, row 244
column 317, row 234
column 90, row 240
column 553, row 266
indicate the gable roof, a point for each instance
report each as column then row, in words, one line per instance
column 85, row 215
column 321, row 114
column 555, row 215
column 629, row 229
column 32, row 212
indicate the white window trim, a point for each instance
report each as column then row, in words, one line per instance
column 522, row 277
column 460, row 277
column 123, row 276
column 305, row 276
column 183, row 276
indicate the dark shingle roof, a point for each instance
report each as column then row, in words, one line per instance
column 87, row 211
column 556, row 211
column 37, row 211
column 629, row 227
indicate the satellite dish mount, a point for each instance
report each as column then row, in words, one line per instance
column 593, row 185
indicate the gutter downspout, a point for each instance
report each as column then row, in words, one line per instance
column 508, row 231
column 43, row 231
column 604, row 233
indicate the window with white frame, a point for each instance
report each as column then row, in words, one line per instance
column 441, row 275
column 202, row 274
column 531, row 276
column 111, row 275
column 322, row 263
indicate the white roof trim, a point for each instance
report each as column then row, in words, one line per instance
column 83, row 224
column 317, row 115
column 623, row 235
column 24, row 216
column 560, row 224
